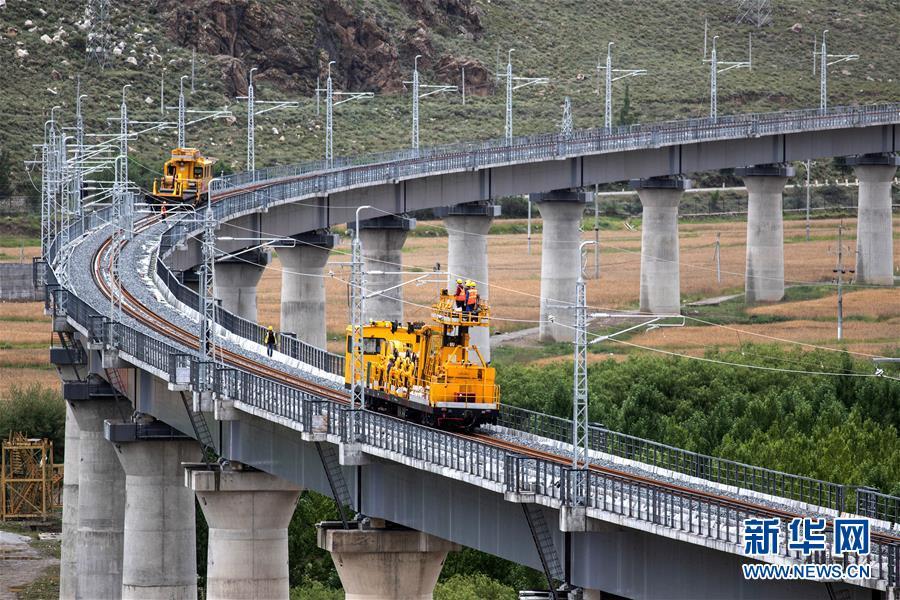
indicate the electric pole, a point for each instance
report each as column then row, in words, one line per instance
column 823, row 70
column 511, row 86
column 417, row 95
column 181, row 114
column 566, row 125
column 252, row 113
column 718, row 252
column 611, row 76
column 580, row 458
column 251, row 125
column 357, row 312
column 715, row 70
column 596, row 231
column 839, row 272
column 808, row 163
column 207, row 325
column 162, row 92
column 329, row 112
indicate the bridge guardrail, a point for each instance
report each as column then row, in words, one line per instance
column 876, row 505
column 710, row 468
column 432, row 446
column 483, row 153
column 643, row 501
column 289, row 345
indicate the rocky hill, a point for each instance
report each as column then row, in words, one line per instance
column 373, row 43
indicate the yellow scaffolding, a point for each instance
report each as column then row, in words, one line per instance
column 30, row 483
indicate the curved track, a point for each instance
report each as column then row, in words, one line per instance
column 150, row 319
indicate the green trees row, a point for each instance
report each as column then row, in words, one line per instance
column 838, row 428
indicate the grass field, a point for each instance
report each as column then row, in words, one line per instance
column 561, row 40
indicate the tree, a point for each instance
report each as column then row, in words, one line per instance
column 5, row 167
column 627, row 116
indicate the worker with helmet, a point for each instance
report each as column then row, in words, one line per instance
column 270, row 340
column 460, row 295
column 471, row 297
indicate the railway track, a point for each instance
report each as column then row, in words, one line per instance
column 137, row 310
column 134, row 308
column 686, row 492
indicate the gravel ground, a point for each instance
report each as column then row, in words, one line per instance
column 20, row 564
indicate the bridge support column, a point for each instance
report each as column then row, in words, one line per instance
column 381, row 563
column 248, row 513
column 68, row 568
column 236, row 282
column 382, row 243
column 660, row 279
column 159, row 550
column 467, row 228
column 764, row 273
column 561, row 213
column 874, row 229
column 101, row 500
column 303, row 286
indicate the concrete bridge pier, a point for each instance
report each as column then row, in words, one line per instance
column 379, row 563
column 101, row 499
column 68, row 567
column 764, row 273
column 382, row 244
column 660, row 278
column 561, row 212
column 303, row 286
column 248, row 513
column 874, row 228
column 159, row 550
column 467, row 229
column 236, row 281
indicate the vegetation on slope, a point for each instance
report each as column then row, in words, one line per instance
column 562, row 40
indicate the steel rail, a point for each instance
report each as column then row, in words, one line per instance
column 150, row 319
column 754, row 508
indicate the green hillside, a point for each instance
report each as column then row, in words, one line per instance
column 562, row 40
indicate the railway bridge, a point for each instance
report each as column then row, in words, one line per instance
column 641, row 520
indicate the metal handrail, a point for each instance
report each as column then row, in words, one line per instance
column 621, row 495
column 711, row 468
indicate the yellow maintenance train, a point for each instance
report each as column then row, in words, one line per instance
column 429, row 373
column 185, row 179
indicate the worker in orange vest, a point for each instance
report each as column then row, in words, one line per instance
column 162, row 209
column 471, row 297
column 460, row 294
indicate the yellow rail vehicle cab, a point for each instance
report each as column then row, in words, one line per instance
column 428, row 373
column 185, row 178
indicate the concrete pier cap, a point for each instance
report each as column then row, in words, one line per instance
column 468, row 225
column 382, row 245
column 874, row 227
column 236, row 281
column 660, row 277
column 248, row 513
column 383, row 561
column 764, row 269
column 303, row 285
column 561, row 212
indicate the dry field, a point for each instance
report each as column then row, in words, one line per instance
column 515, row 286
column 24, row 343
column 515, row 282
